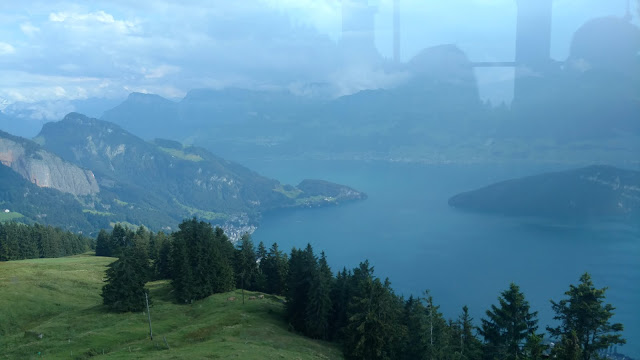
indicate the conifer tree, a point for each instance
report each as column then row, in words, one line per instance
column 49, row 239
column 141, row 240
column 154, row 246
column 340, row 295
column 463, row 343
column 103, row 241
column 162, row 267
column 585, row 321
column 227, row 250
column 22, row 241
column 261, row 278
column 275, row 268
column 181, row 275
column 318, row 309
column 374, row 326
column 126, row 277
column 246, row 266
column 261, row 252
column 302, row 264
column 121, row 238
column 569, row 347
column 534, row 349
column 8, row 243
column 221, row 267
column 414, row 319
column 198, row 267
column 508, row 326
column 437, row 330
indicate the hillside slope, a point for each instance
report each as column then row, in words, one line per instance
column 594, row 191
column 44, row 168
column 115, row 176
column 29, row 203
column 59, row 298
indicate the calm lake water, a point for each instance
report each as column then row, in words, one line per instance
column 409, row 233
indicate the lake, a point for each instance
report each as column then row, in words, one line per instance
column 409, row 233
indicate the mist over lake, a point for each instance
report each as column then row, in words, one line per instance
column 408, row 233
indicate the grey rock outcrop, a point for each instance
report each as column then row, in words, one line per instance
column 45, row 169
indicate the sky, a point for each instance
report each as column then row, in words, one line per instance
column 55, row 51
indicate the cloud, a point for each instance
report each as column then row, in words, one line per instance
column 6, row 49
column 40, row 112
column 28, row 29
column 88, row 20
column 20, row 86
column 99, row 16
column 109, row 47
column 160, row 71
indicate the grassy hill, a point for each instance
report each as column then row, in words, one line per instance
column 60, row 299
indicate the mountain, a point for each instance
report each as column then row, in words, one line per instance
column 26, row 118
column 44, row 168
column 202, row 110
column 116, row 176
column 240, row 124
column 594, row 191
column 145, row 114
column 23, row 201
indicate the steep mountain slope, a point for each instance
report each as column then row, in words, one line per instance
column 585, row 192
column 29, row 203
column 43, row 168
column 156, row 184
column 187, row 176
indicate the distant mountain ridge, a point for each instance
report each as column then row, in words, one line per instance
column 593, row 191
column 200, row 109
column 156, row 184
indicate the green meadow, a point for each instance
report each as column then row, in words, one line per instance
column 51, row 309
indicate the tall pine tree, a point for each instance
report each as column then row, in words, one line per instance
column 508, row 326
column 246, row 265
column 464, row 344
column 302, row 264
column 585, row 326
column 318, row 309
column 198, row 264
column 275, row 268
column 126, row 277
column 374, row 314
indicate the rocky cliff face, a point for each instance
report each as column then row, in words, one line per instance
column 45, row 169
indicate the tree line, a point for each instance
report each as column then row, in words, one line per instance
column 352, row 307
column 20, row 241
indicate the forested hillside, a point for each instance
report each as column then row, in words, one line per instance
column 353, row 308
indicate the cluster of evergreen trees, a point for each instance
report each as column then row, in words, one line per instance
column 353, row 307
column 20, row 241
column 142, row 257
